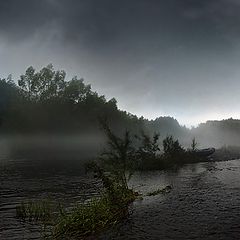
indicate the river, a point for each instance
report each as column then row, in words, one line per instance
column 203, row 204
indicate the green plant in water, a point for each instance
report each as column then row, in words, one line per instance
column 35, row 211
column 93, row 217
column 114, row 169
column 118, row 159
column 194, row 144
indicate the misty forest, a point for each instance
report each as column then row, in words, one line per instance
column 119, row 120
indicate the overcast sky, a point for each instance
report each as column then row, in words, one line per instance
column 156, row 57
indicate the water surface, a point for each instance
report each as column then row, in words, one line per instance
column 204, row 202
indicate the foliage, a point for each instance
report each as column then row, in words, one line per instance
column 194, row 145
column 118, row 158
column 35, row 211
column 45, row 101
column 148, row 151
column 149, row 148
column 91, row 218
column 173, row 151
column 42, row 85
column 113, row 170
column 99, row 213
column 114, row 167
column 86, row 219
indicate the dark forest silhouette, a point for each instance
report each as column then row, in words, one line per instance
column 45, row 102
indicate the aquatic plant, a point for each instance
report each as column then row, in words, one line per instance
column 194, row 144
column 92, row 218
column 113, row 168
column 35, row 210
column 118, row 158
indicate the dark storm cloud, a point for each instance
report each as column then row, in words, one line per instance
column 155, row 56
column 20, row 19
column 103, row 22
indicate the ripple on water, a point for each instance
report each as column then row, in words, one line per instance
column 204, row 202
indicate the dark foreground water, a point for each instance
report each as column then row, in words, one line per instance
column 204, row 202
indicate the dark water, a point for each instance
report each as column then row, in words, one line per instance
column 204, row 202
column 52, row 171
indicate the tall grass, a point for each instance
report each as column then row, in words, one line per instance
column 35, row 210
column 92, row 218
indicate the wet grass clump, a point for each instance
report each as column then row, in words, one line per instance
column 84, row 220
column 35, row 210
column 92, row 218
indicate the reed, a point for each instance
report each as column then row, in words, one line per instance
column 41, row 210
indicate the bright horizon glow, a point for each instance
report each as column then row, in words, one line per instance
column 188, row 121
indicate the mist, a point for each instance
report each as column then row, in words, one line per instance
column 46, row 148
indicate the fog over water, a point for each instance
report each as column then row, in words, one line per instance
column 204, row 202
column 53, row 148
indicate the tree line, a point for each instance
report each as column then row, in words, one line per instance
column 45, row 101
